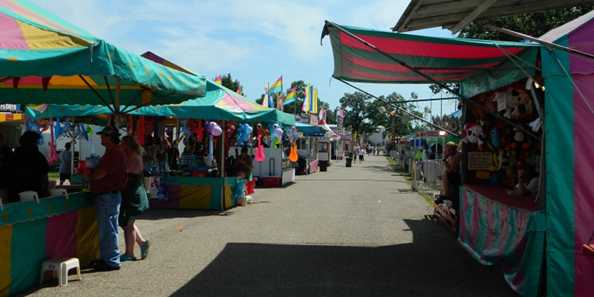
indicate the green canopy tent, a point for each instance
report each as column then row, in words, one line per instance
column 219, row 104
column 44, row 59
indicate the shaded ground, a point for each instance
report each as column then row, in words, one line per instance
column 345, row 232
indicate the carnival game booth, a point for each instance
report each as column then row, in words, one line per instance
column 276, row 170
column 308, row 147
column 199, row 183
column 526, row 166
column 46, row 60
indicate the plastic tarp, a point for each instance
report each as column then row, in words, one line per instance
column 42, row 60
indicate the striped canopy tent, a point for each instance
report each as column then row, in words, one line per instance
column 443, row 59
column 219, row 104
column 44, row 59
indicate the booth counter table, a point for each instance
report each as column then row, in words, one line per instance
column 201, row 193
column 500, row 230
column 30, row 232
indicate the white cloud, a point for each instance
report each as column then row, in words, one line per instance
column 380, row 14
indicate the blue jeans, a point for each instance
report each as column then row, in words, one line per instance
column 108, row 210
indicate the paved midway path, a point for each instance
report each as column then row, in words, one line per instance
column 345, row 232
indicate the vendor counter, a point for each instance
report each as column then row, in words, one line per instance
column 203, row 193
column 32, row 232
column 506, row 231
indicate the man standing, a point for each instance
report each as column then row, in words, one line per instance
column 107, row 181
column 66, row 164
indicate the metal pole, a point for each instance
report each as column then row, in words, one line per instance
column 400, row 108
column 543, row 42
column 222, row 167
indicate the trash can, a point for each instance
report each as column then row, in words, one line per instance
column 349, row 162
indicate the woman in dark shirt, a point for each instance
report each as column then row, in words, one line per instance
column 28, row 167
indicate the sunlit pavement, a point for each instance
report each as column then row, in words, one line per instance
column 346, row 232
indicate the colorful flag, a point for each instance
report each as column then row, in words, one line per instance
column 310, row 105
column 280, row 98
column 277, row 86
column 322, row 116
column 218, row 80
column 291, row 97
column 265, row 100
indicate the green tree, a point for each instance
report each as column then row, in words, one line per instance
column 356, row 116
column 232, row 84
column 534, row 24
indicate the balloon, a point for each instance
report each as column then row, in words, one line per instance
column 277, row 135
column 214, row 129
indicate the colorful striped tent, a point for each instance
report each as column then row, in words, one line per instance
column 44, row 59
column 31, row 232
column 532, row 245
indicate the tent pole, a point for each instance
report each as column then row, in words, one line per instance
column 96, row 92
column 399, row 108
column 222, row 167
column 429, row 78
column 538, row 40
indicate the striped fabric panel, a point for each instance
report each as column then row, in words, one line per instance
column 444, row 59
column 28, row 253
column 5, row 264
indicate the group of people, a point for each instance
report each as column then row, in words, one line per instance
column 359, row 152
column 116, row 182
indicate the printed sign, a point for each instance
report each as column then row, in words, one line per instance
column 479, row 161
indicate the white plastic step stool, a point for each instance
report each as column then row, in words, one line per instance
column 60, row 267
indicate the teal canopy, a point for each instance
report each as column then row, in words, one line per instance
column 44, row 59
column 310, row 130
column 219, row 104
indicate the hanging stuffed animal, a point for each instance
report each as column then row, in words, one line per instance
column 521, row 105
column 214, row 130
column 260, row 154
column 243, row 134
column 293, row 135
column 474, row 134
column 229, row 136
column 277, row 135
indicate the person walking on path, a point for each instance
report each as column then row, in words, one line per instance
column 107, row 181
column 356, row 152
column 134, row 200
column 361, row 154
column 66, row 164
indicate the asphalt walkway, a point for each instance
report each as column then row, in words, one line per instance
column 346, row 232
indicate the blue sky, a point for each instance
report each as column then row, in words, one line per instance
column 255, row 41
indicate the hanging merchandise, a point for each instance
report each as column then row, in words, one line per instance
column 293, row 155
column 243, row 134
column 277, row 135
column 230, row 137
column 53, row 154
column 260, row 155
